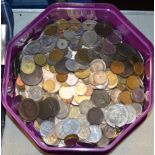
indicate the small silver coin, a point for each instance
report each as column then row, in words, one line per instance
column 46, row 128
column 69, row 35
column 138, row 108
column 89, row 25
column 116, row 115
column 71, row 65
column 62, row 44
column 103, row 142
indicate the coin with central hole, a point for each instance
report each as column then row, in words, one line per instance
column 62, row 44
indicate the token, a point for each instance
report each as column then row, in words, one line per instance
column 82, row 74
column 49, row 85
column 72, row 79
column 71, row 126
column 100, row 77
column 95, row 116
column 51, row 140
column 85, row 106
column 117, row 67
column 74, row 24
column 36, row 93
column 28, row 67
column 78, row 99
column 100, row 98
column 89, row 25
column 113, row 79
column 61, row 77
column 115, row 95
column 71, row 65
column 80, row 88
column 50, row 29
column 84, row 132
column 89, row 90
column 46, row 128
column 64, row 93
column 62, row 44
column 125, row 97
column 103, row 142
column 137, row 95
column 95, row 134
column 19, row 83
column 62, row 24
column 103, row 29
column 128, row 70
column 40, row 59
column 138, row 108
column 133, row 82
column 138, row 68
column 109, row 132
column 116, row 115
column 97, row 65
column 28, row 109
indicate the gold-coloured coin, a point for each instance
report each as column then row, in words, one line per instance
column 64, row 84
column 139, row 68
column 46, row 67
column 36, row 125
column 82, row 74
column 49, row 85
column 133, row 82
column 78, row 99
column 51, row 140
column 125, row 97
column 113, row 79
column 62, row 24
column 80, row 88
column 52, row 69
column 100, row 77
column 117, row 67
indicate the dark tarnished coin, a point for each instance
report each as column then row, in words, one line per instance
column 95, row 116
column 137, row 95
column 50, row 29
column 28, row 109
column 103, row 29
column 71, row 65
column 128, row 69
column 40, row 59
column 71, row 140
column 100, row 98
column 34, row 78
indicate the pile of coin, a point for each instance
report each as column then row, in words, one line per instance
column 80, row 83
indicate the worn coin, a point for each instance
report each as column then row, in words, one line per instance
column 40, row 59
column 78, row 99
column 125, row 97
column 89, row 90
column 74, row 24
column 74, row 112
column 62, row 24
column 89, row 25
column 103, row 86
column 61, row 77
column 76, row 43
column 93, row 54
column 100, row 77
column 138, row 68
column 109, row 132
column 117, row 67
column 103, row 142
column 72, row 79
column 62, row 44
column 50, row 29
column 97, row 65
column 137, row 95
column 69, row 35
column 113, row 79
column 133, row 82
column 84, row 132
column 71, row 65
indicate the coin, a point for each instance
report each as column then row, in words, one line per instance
column 52, row 69
column 133, row 82
column 46, row 128
column 95, row 116
column 40, row 59
column 28, row 109
column 74, row 24
column 74, row 14
column 84, row 132
column 100, row 77
column 89, row 90
column 74, row 112
column 71, row 140
column 64, row 93
column 68, row 101
column 103, row 142
column 82, row 74
column 19, row 83
column 138, row 108
column 71, row 126
column 103, row 86
column 95, row 134
column 125, row 97
column 115, row 95
column 62, row 44
column 109, row 132
column 50, row 29
column 89, row 25
column 36, row 125
column 93, row 54
column 76, row 43
column 116, row 115
column 71, row 65
column 97, row 65
column 36, row 93
column 49, row 85
column 103, row 29
column 78, row 99
column 72, row 79
column 51, row 140
column 128, row 70
column 28, row 67
column 69, row 35
column 61, row 77
column 117, row 67
column 107, row 59
column 138, row 68
column 137, row 95
column 62, row 24
column 80, row 88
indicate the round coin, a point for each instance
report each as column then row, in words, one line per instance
column 117, row 67
column 64, row 93
column 128, row 70
column 69, row 35
column 62, row 44
column 109, row 132
column 74, row 24
column 97, row 65
column 78, row 99
column 50, row 29
column 72, row 79
column 138, row 108
column 82, row 74
column 84, row 132
column 114, row 94
column 80, row 88
column 133, row 82
column 138, row 68
column 100, row 77
column 125, row 97
column 89, row 25
column 137, row 95
column 71, row 65
column 89, row 90
column 103, row 142
column 51, row 140
column 40, row 59
column 49, row 85
column 71, row 140
column 61, row 77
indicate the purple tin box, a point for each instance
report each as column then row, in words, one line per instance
column 98, row 12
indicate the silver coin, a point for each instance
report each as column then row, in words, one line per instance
column 95, row 134
column 116, row 115
column 109, row 132
column 85, row 106
column 36, row 93
column 131, row 114
column 103, row 142
column 114, row 94
column 69, row 35
column 137, row 95
column 71, row 65
column 46, row 128
column 138, row 108
column 71, row 126
column 89, row 25
column 84, row 132
column 62, row 44
column 75, row 43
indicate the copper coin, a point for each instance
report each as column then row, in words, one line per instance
column 117, row 67
column 61, row 77
column 139, row 68
column 28, row 109
column 19, row 83
column 95, row 116
column 137, row 95
column 125, row 97
column 133, row 82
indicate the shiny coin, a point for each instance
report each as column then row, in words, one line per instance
column 139, row 68
column 72, row 79
column 69, row 35
column 95, row 134
column 132, row 114
column 50, row 29
column 137, row 95
column 109, row 132
column 125, row 97
column 97, row 65
column 113, row 79
column 138, row 108
column 95, row 116
column 85, row 106
column 82, row 74
column 89, row 25
column 28, row 67
column 103, row 142
column 46, row 128
column 71, row 126
column 128, row 69
column 71, row 65
column 117, row 67
column 62, row 44
column 74, row 24
column 28, row 109
column 115, row 95
column 80, row 88
column 36, row 93
column 61, row 77
column 49, row 85
column 100, row 98
column 64, row 93
column 51, row 140
column 84, row 132
column 78, row 99
column 103, row 29
column 116, row 115
column 100, row 77
column 40, row 59
column 133, row 82
column 71, row 140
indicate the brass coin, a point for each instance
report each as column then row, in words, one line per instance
column 117, row 67
column 78, row 99
column 49, row 85
column 82, row 74
column 133, row 82
column 40, row 59
column 139, row 68
column 125, row 97
column 113, row 79
column 46, row 67
column 80, row 88
column 61, row 77
column 50, row 29
column 62, row 24
column 51, row 140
